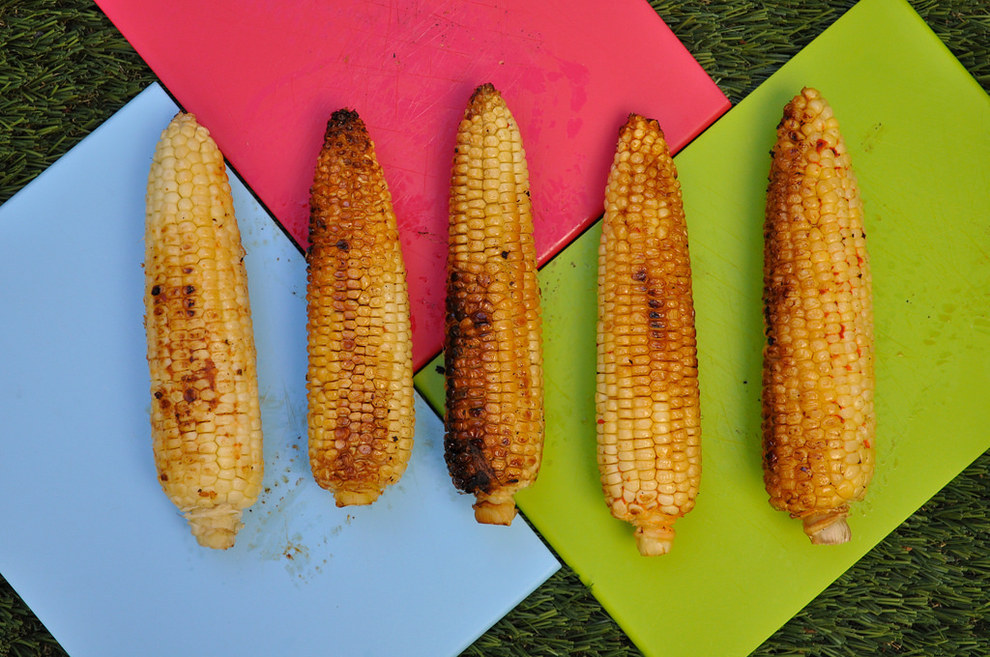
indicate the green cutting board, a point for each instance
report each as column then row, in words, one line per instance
column 918, row 129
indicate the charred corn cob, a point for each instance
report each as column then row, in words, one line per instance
column 359, row 378
column 818, row 418
column 205, row 413
column 647, row 398
column 493, row 336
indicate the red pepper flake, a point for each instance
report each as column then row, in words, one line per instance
column 601, row 421
column 866, row 443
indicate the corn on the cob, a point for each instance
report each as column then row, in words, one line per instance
column 493, row 342
column 818, row 416
column 205, row 413
column 359, row 380
column 647, row 397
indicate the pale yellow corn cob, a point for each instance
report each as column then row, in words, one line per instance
column 205, row 413
column 647, row 398
column 493, row 348
column 818, row 417
column 359, row 381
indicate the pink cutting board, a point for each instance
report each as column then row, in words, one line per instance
column 265, row 76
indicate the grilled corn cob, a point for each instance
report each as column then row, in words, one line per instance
column 205, row 413
column 493, row 336
column 818, row 417
column 647, row 398
column 359, row 379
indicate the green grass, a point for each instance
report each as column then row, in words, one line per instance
column 64, row 69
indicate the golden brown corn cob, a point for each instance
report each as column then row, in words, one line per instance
column 818, row 419
column 359, row 381
column 205, row 413
column 493, row 349
column 647, row 398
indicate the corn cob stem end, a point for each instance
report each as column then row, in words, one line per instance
column 654, row 541
column 215, row 527
column 495, row 511
column 355, row 497
column 827, row 528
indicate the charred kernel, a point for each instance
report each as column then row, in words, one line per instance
column 156, row 290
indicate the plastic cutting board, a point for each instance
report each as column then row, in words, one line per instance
column 918, row 129
column 265, row 77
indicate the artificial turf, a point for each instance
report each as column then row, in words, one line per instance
column 924, row 590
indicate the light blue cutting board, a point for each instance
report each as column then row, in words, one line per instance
column 92, row 544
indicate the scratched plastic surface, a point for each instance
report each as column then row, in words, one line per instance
column 265, row 76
